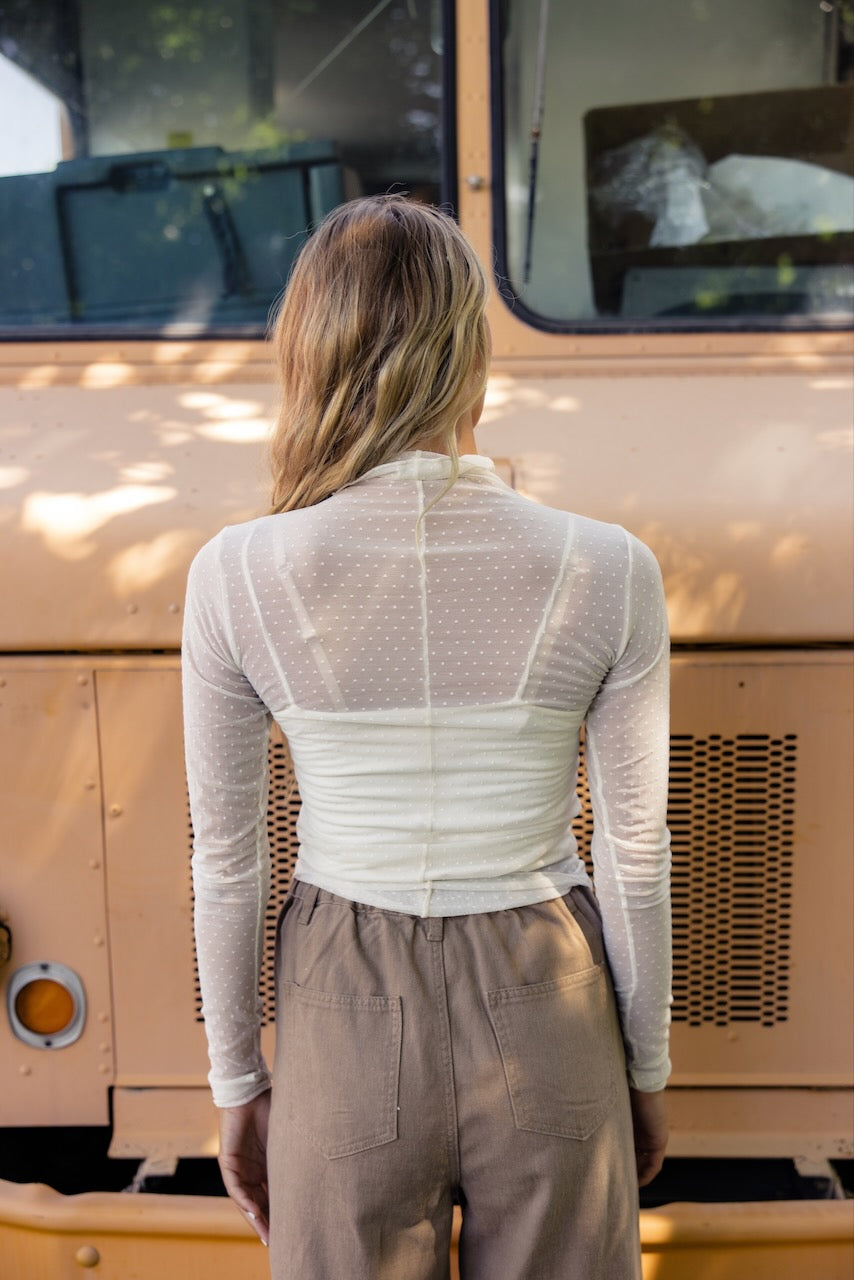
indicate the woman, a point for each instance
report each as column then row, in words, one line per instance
column 430, row 642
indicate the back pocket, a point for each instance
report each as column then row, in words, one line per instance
column 560, row 1047
column 342, row 1067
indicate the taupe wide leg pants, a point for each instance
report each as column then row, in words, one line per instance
column 423, row 1061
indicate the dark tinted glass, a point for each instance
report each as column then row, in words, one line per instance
column 165, row 161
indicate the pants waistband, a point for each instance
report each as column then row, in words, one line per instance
column 309, row 895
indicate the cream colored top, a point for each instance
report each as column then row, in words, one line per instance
column 431, row 679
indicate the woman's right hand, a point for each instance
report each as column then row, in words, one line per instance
column 649, row 1120
column 243, row 1159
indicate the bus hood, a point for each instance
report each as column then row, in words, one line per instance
column 110, row 481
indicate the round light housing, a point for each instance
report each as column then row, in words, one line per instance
column 46, row 1005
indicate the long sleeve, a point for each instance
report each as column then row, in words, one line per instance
column 627, row 747
column 431, row 696
column 225, row 731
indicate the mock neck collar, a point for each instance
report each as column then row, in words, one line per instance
column 420, row 464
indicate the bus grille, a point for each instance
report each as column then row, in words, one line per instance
column 732, row 818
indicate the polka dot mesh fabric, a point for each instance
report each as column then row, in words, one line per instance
column 431, row 667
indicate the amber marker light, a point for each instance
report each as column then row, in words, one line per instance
column 46, row 1005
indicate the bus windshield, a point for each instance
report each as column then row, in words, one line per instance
column 165, row 161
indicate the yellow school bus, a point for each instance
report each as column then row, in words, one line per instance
column 663, row 194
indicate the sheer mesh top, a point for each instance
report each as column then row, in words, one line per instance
column 431, row 667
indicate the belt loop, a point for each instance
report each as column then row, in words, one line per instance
column 435, row 928
column 307, row 900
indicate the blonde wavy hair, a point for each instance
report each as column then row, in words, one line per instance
column 382, row 345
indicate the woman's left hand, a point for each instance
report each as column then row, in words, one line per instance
column 243, row 1159
column 649, row 1121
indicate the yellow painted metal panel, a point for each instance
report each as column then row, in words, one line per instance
column 158, row 1040
column 769, row 695
column 800, row 948
column 741, row 485
column 107, row 495
column 749, row 1122
column 52, row 886
column 163, row 1123
column 769, row 1123
column 786, row 1240
column 44, row 1236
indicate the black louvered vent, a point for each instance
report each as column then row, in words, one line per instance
column 282, row 813
column 732, row 817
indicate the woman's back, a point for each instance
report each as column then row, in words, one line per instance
column 431, row 675
column 370, row 613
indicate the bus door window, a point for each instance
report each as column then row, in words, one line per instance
column 676, row 163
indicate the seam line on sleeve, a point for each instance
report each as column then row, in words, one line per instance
column 535, row 655
column 250, row 588
column 663, row 648
column 594, row 779
column 627, row 592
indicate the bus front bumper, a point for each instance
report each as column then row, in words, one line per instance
column 122, row 1236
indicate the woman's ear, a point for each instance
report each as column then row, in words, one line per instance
column 477, row 409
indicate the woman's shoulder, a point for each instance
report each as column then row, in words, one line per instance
column 600, row 543
column 233, row 538
column 614, row 537
column 586, row 530
column 226, row 547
